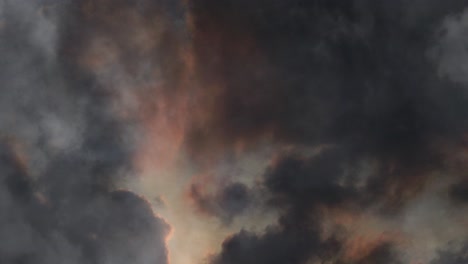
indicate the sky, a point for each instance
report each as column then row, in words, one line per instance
column 234, row 132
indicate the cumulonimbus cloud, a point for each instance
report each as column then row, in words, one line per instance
column 352, row 116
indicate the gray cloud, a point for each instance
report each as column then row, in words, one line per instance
column 63, row 148
column 366, row 77
column 227, row 203
column 379, row 83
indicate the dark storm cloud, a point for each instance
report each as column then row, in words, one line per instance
column 291, row 247
column 459, row 192
column 380, row 83
column 354, row 73
column 91, row 229
column 306, row 182
column 137, row 43
column 299, row 187
column 383, row 253
column 64, row 146
column 457, row 256
column 273, row 247
column 227, row 203
column 363, row 76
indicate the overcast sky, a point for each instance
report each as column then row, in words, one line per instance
column 234, row 132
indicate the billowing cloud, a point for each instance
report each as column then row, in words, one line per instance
column 452, row 256
column 293, row 131
column 366, row 79
column 84, row 226
column 63, row 148
column 228, row 202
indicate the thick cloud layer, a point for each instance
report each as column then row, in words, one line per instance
column 63, row 148
column 300, row 188
column 376, row 81
column 85, row 226
column 302, row 132
column 227, row 203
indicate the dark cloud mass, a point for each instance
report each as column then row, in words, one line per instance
column 452, row 256
column 365, row 77
column 353, row 73
column 63, row 148
column 360, row 105
column 229, row 202
column 300, row 187
column 93, row 227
